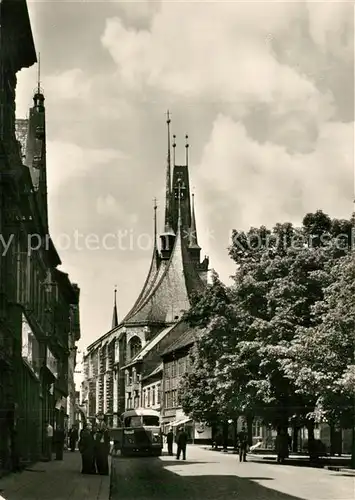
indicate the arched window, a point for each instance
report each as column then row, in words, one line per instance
column 135, row 345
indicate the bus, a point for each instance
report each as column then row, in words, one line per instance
column 140, row 433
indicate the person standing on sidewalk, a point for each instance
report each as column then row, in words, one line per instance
column 170, row 441
column 102, row 445
column 243, row 445
column 49, row 439
column 59, row 438
column 181, row 441
column 86, row 448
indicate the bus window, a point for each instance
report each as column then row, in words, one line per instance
column 150, row 420
column 134, row 421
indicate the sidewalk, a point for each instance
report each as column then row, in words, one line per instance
column 296, row 459
column 56, row 480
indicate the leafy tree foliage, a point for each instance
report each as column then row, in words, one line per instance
column 249, row 355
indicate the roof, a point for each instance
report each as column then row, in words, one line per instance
column 103, row 339
column 187, row 339
column 172, row 287
column 156, row 370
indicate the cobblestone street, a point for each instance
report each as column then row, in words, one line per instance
column 56, row 480
column 213, row 475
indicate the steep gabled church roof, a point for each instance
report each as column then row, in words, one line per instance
column 172, row 288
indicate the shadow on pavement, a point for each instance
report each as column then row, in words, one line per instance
column 151, row 479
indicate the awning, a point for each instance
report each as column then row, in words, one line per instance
column 181, row 422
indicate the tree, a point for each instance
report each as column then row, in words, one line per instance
column 321, row 357
column 241, row 361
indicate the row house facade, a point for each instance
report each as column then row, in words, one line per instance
column 35, row 297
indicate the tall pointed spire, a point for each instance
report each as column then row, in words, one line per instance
column 193, row 243
column 155, row 223
column 168, row 181
column 115, row 315
column 187, row 149
column 174, row 148
column 39, row 74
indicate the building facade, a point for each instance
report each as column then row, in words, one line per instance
column 35, row 297
column 175, row 275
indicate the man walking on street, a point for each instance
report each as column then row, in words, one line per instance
column 243, row 445
column 181, row 442
column 49, row 439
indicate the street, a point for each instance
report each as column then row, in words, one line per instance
column 213, row 475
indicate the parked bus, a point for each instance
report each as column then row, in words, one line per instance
column 140, row 433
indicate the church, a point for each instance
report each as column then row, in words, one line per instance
column 126, row 364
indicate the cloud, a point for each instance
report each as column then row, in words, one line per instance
column 71, row 84
column 217, row 54
column 69, row 161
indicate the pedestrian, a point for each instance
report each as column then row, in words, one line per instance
column 243, row 444
column 86, row 448
column 102, row 445
column 181, row 441
column 49, row 439
column 281, row 445
column 73, row 438
column 59, row 438
column 170, row 440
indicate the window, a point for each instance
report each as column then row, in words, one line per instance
column 158, row 394
column 257, row 429
column 168, row 370
column 174, row 400
column 153, row 395
column 144, row 398
column 135, row 346
column 173, row 369
column 151, row 420
column 182, row 368
column 129, row 399
column 148, row 404
column 134, row 421
column 136, row 399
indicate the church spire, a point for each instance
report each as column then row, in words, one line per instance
column 114, row 315
column 193, row 243
column 168, row 181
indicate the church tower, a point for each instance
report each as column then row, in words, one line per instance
column 35, row 158
column 167, row 238
column 176, row 272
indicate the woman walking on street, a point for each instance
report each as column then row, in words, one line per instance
column 102, row 445
column 86, row 448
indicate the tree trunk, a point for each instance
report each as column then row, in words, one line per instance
column 249, row 420
column 225, row 435
column 235, row 434
column 332, row 439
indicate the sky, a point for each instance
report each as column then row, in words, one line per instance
column 265, row 91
